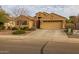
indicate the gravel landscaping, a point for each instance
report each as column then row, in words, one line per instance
column 9, row 32
column 73, row 36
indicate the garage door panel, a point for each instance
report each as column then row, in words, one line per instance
column 51, row 25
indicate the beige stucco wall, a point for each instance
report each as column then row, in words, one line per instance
column 30, row 24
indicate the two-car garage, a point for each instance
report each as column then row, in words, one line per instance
column 50, row 21
column 51, row 25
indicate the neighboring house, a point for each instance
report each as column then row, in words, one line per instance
column 50, row 21
column 10, row 23
column 24, row 21
column 75, row 22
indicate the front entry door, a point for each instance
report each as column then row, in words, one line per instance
column 38, row 24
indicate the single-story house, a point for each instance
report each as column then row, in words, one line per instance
column 50, row 21
column 24, row 21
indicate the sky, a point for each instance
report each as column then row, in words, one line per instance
column 63, row 10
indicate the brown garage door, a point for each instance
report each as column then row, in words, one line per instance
column 51, row 25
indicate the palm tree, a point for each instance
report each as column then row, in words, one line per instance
column 70, row 22
column 70, row 25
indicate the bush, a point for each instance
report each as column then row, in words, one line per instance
column 24, row 28
column 27, row 29
column 2, row 27
column 69, row 31
column 32, row 29
column 14, row 28
column 18, row 32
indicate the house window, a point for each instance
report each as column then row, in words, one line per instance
column 21, row 22
column 24, row 23
column 18, row 22
column 39, row 18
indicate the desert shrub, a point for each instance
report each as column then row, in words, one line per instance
column 24, row 28
column 14, row 28
column 2, row 27
column 32, row 29
column 27, row 29
column 18, row 32
column 69, row 31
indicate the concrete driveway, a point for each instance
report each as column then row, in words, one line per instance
column 39, row 41
column 47, row 34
